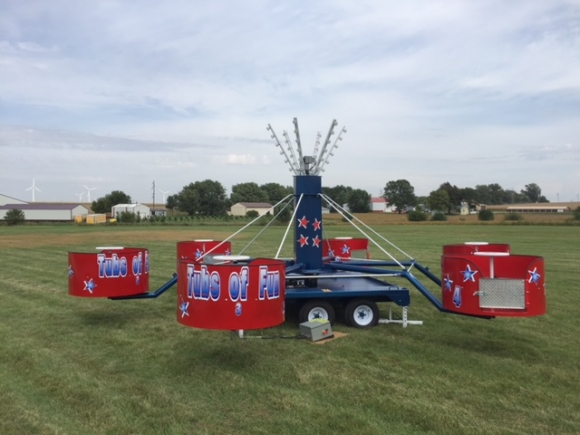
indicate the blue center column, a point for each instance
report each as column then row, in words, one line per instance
column 308, row 225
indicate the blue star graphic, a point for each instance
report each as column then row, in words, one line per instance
column 183, row 308
column 198, row 254
column 448, row 283
column 70, row 272
column 345, row 249
column 468, row 274
column 534, row 276
column 90, row 286
column 330, row 253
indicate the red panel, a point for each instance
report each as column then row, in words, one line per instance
column 461, row 275
column 199, row 249
column 342, row 249
column 469, row 249
column 109, row 273
column 231, row 296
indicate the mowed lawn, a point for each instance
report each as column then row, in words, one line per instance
column 91, row 366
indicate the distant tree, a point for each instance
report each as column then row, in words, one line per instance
column 483, row 193
column 454, row 195
column 338, row 194
column 576, row 213
column 401, row 194
column 417, row 216
column 276, row 192
column 485, row 215
column 14, row 217
column 172, row 201
column 470, row 196
column 252, row 214
column 247, row 192
column 205, row 198
column 359, row 201
column 534, row 192
column 439, row 200
column 496, row 193
column 106, row 203
column 438, row 216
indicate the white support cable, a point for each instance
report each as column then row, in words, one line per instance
column 289, row 225
column 269, row 223
column 282, row 152
column 299, row 146
column 316, row 169
column 340, row 210
column 382, row 237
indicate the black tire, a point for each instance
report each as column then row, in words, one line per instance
column 317, row 309
column 361, row 313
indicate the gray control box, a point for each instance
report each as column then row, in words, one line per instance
column 316, row 330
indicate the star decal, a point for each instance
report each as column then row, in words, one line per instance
column 303, row 222
column 345, row 249
column 183, row 306
column 228, row 252
column 330, row 253
column 90, row 285
column 198, row 254
column 468, row 274
column 534, row 276
column 70, row 272
column 448, row 283
column 303, row 240
column 316, row 224
column 316, row 242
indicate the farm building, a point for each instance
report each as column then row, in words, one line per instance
column 381, row 205
column 241, row 208
column 378, row 205
column 140, row 210
column 538, row 208
column 46, row 211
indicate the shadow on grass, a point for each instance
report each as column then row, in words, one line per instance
column 112, row 319
column 513, row 346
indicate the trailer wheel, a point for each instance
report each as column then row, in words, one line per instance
column 361, row 313
column 318, row 309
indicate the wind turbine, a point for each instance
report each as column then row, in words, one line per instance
column 164, row 192
column 89, row 191
column 80, row 195
column 33, row 188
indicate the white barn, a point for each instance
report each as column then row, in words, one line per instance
column 241, row 208
column 140, row 210
column 46, row 212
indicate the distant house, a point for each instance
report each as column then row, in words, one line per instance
column 241, row 208
column 46, row 211
column 379, row 205
column 140, row 210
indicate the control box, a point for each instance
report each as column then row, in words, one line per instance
column 316, row 330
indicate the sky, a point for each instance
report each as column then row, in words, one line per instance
column 118, row 95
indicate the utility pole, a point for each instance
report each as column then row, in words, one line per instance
column 153, row 211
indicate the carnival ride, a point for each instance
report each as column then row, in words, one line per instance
column 221, row 291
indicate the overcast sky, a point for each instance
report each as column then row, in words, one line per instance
column 117, row 94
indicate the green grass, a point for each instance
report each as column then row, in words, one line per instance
column 90, row 366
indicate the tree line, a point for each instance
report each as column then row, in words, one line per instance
column 209, row 198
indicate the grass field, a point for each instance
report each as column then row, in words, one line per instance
column 90, row 366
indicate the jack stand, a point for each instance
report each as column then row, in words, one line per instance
column 404, row 321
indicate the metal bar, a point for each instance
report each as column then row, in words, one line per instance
column 298, row 145
column 153, row 295
column 278, row 144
